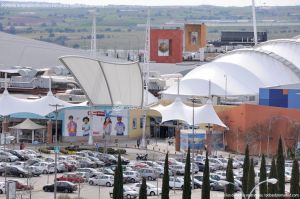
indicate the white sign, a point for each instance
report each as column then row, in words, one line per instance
column 96, row 122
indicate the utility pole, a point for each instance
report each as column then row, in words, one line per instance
column 55, row 148
column 94, row 36
column 146, row 78
column 254, row 22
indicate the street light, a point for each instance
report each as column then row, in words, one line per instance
column 270, row 180
column 194, row 100
column 56, row 147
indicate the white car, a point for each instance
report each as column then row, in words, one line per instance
column 176, row 183
column 2, row 188
column 216, row 163
column 151, row 189
column 288, row 176
column 131, row 176
column 45, row 167
column 105, row 180
column 127, row 193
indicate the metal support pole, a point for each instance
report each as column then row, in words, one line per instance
column 55, row 168
column 193, row 156
column 56, row 148
column 254, row 22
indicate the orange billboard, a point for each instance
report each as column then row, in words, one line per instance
column 195, row 37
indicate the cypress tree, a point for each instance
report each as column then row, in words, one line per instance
column 280, row 169
column 294, row 189
column 272, row 188
column 165, row 182
column 229, row 189
column 206, row 182
column 186, row 194
column 245, row 171
column 143, row 190
column 251, row 180
column 263, row 189
column 118, row 180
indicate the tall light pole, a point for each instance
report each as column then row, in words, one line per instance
column 225, row 76
column 254, row 22
column 55, row 148
column 270, row 180
column 194, row 100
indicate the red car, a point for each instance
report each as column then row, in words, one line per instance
column 71, row 177
column 22, row 186
column 69, row 167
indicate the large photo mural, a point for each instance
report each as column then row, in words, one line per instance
column 95, row 123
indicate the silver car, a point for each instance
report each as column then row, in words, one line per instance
column 148, row 173
column 131, row 176
column 7, row 157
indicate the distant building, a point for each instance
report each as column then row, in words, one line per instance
column 194, row 37
column 166, row 46
column 287, row 96
column 239, row 38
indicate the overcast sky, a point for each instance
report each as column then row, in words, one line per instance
column 175, row 2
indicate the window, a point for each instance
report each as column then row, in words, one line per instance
column 134, row 123
column 141, row 122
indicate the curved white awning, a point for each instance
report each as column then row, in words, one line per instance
column 107, row 83
column 179, row 111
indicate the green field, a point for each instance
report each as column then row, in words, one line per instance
column 117, row 26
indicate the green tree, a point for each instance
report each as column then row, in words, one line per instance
column 280, row 169
column 143, row 190
column 229, row 189
column 186, row 194
column 118, row 180
column 165, row 182
column 272, row 188
column 251, row 180
column 206, row 182
column 294, row 189
column 263, row 189
column 245, row 171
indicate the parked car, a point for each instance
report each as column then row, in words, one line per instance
column 176, row 182
column 7, row 157
column 23, row 186
column 87, row 164
column 14, row 171
column 20, row 156
column 151, row 189
column 89, row 171
column 98, row 162
column 45, row 167
column 177, row 169
column 71, row 177
column 127, row 193
column 70, row 167
column 104, row 180
column 148, row 173
column 62, row 186
column 131, row 176
column 34, row 170
column 107, row 171
column 217, row 186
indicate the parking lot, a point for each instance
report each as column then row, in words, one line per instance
column 88, row 191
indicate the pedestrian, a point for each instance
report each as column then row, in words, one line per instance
column 138, row 141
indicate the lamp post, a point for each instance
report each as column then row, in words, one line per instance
column 56, row 147
column 225, row 76
column 194, row 100
column 270, row 180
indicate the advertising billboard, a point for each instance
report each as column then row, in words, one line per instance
column 163, row 47
column 95, row 122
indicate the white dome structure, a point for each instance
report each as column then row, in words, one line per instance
column 242, row 72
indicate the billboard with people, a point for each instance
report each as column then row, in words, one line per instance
column 95, row 122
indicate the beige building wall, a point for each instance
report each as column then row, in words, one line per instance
column 195, row 37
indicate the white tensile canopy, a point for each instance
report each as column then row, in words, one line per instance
column 28, row 125
column 107, row 83
column 179, row 111
column 10, row 105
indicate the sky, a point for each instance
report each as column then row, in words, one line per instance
column 174, row 2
